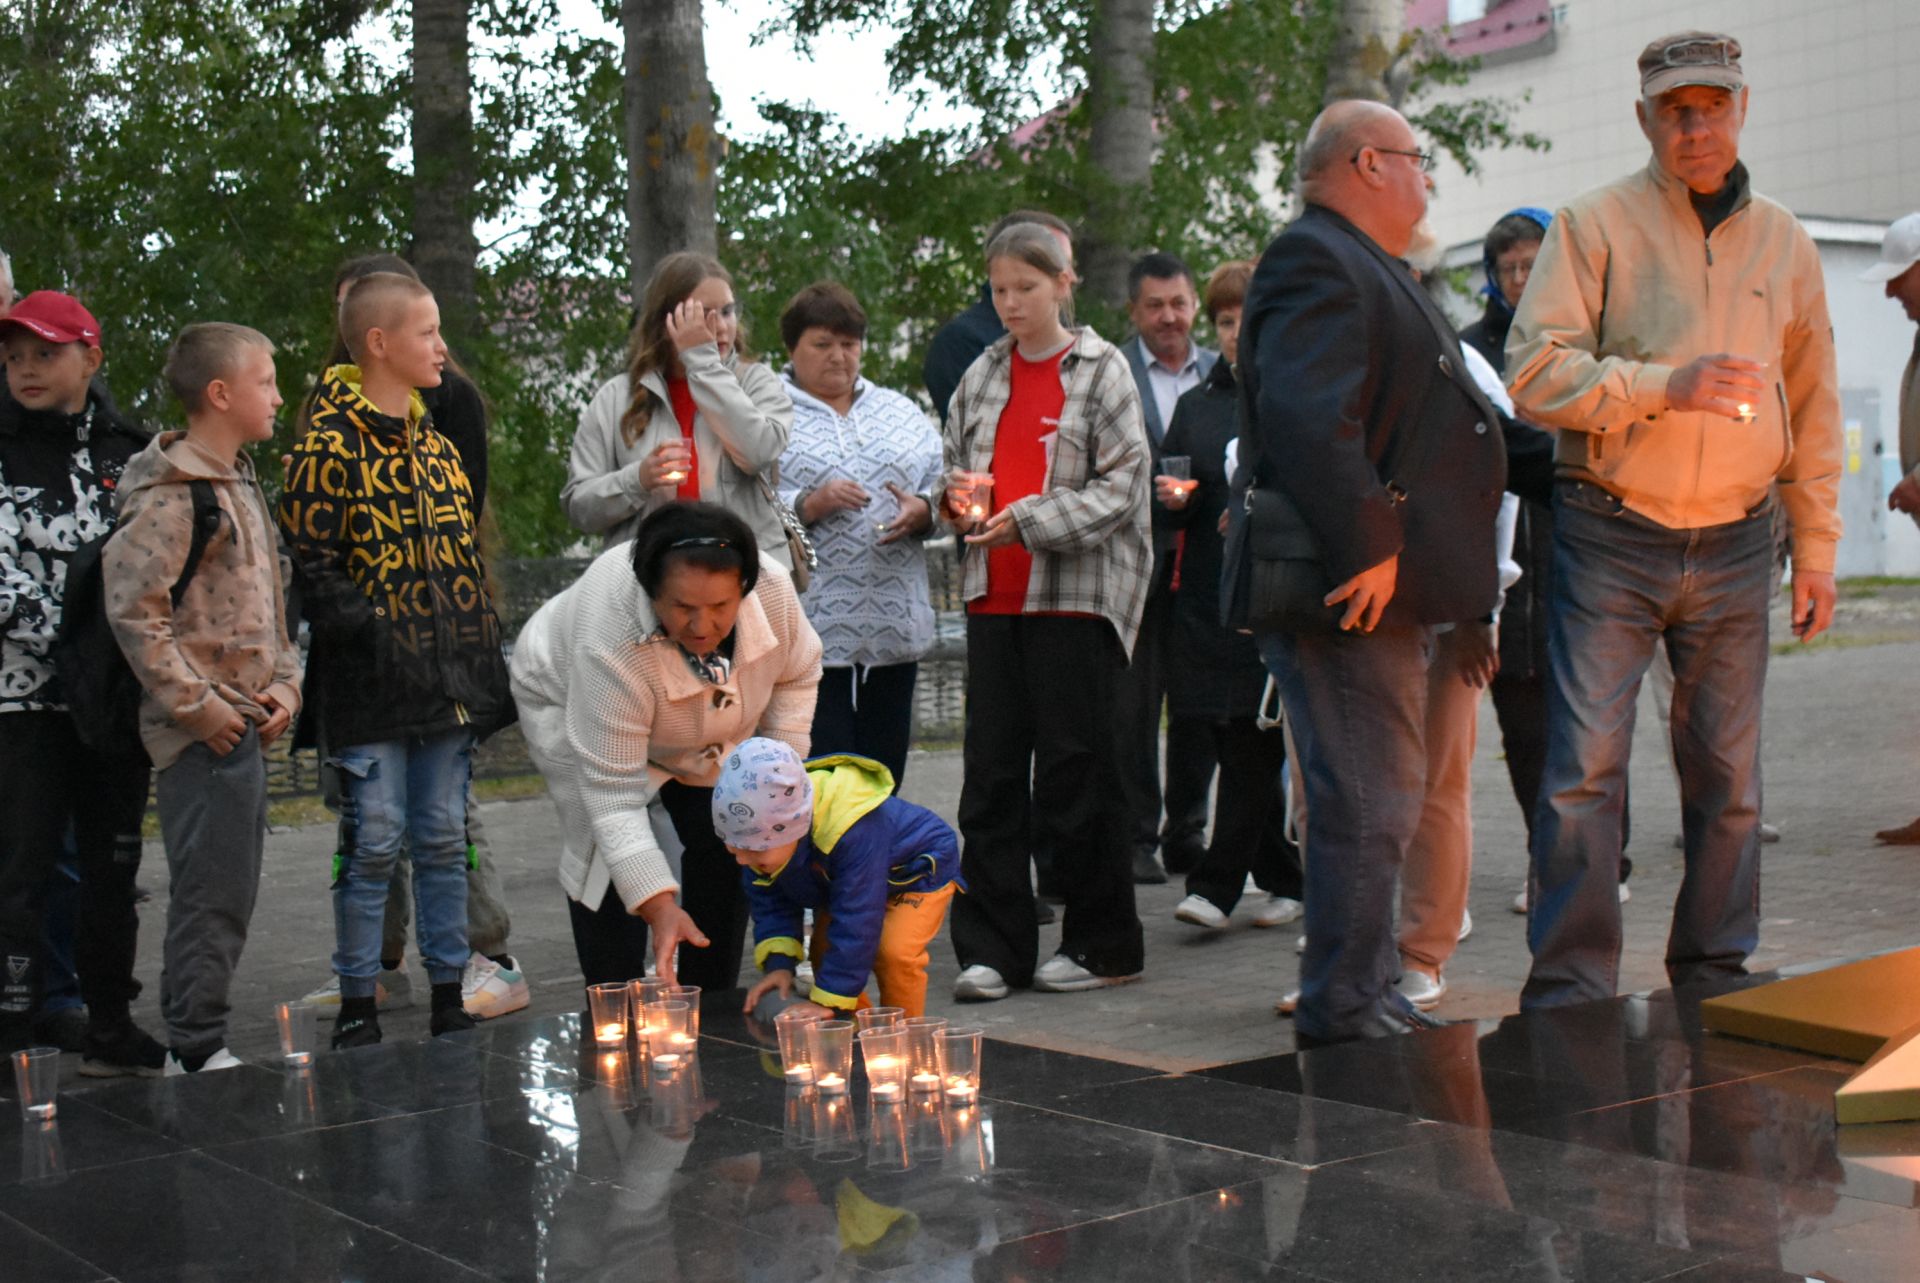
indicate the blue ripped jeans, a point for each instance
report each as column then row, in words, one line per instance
column 410, row 792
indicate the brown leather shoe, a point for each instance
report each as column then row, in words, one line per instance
column 1905, row 835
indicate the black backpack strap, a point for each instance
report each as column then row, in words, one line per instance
column 206, row 520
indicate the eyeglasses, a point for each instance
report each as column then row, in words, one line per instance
column 1425, row 159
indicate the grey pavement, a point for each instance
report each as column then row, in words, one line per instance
column 1841, row 759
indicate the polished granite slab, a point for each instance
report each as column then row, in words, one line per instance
column 1616, row 1141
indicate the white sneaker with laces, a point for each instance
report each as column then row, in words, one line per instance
column 391, row 990
column 979, row 983
column 1201, row 912
column 1061, row 974
column 221, row 1059
column 1278, row 911
column 489, row 989
column 1466, row 925
column 1420, row 989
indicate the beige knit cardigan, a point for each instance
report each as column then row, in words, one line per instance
column 611, row 713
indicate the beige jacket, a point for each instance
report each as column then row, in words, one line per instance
column 1625, row 291
column 611, row 712
column 227, row 640
column 742, row 421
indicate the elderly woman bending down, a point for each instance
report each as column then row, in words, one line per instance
column 634, row 684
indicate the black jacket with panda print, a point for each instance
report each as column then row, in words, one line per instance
column 58, row 474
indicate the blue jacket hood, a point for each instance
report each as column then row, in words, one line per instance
column 1491, row 287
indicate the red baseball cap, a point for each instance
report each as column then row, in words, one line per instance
column 55, row 317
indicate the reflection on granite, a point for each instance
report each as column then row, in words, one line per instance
column 1615, row 1141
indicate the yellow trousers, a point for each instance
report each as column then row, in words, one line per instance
column 900, row 963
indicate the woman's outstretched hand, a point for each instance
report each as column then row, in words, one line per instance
column 670, row 927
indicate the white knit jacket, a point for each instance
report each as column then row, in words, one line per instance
column 611, row 713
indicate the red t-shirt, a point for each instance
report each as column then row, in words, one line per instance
column 684, row 410
column 1020, row 469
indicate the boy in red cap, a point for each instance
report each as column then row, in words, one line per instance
column 62, row 449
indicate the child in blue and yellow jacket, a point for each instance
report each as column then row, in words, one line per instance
column 828, row 835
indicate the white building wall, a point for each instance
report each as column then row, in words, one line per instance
column 1833, row 133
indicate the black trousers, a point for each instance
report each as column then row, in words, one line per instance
column 49, row 783
column 1041, row 769
column 1190, row 754
column 612, row 943
column 1520, row 705
column 1250, row 826
column 867, row 711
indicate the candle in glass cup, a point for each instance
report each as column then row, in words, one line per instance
column 923, row 1051
column 961, row 1051
column 791, row 1028
column 689, row 994
column 972, row 493
column 884, row 1052
column 830, row 1050
column 607, row 1008
column 878, row 1017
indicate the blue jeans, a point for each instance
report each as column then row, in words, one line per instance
column 1357, row 707
column 1623, row 585
column 410, row 792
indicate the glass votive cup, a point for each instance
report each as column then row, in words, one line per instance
column 925, row 1061
column 790, row 1027
column 689, row 994
column 36, row 1074
column 960, row 1051
column 970, row 493
column 639, row 993
column 884, row 1054
column 607, row 1013
column 295, row 1020
column 830, row 1048
column 878, row 1017
column 669, row 1042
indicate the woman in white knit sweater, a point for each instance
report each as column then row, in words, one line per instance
column 633, row 685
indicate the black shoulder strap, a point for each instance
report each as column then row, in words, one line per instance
column 206, row 520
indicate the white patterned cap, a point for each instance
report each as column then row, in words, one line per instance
column 763, row 797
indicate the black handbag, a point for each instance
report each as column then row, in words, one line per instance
column 1277, row 580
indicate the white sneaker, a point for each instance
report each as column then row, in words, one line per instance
column 1420, row 989
column 1061, row 974
column 1520, row 901
column 391, row 989
column 1201, row 912
column 1278, row 911
column 979, row 983
column 1625, row 894
column 1466, row 925
column 221, row 1059
column 488, row 989
column 1284, row 1008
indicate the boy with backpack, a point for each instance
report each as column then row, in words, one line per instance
column 407, row 670
column 62, row 449
column 207, row 638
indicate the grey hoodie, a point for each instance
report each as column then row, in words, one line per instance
column 226, row 643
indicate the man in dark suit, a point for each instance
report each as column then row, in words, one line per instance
column 1365, row 418
column 1162, row 302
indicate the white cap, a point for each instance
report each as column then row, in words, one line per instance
column 1899, row 251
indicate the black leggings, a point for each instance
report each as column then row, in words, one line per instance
column 612, row 943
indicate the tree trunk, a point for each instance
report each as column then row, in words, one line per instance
column 1120, row 104
column 444, row 246
column 672, row 145
column 1369, row 56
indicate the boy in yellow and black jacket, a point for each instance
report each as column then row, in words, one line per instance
column 406, row 671
column 830, row 836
